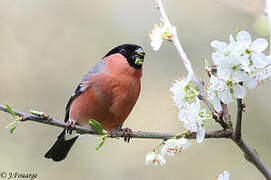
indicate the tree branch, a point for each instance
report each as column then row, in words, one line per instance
column 135, row 134
column 268, row 12
column 238, row 127
column 253, row 157
column 175, row 39
column 202, row 95
column 223, row 119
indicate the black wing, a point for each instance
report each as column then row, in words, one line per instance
column 73, row 97
column 80, row 88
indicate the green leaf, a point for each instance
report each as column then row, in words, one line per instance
column 14, row 122
column 12, row 129
column 207, row 64
column 36, row 113
column 100, row 145
column 237, row 30
column 10, row 110
column 197, row 88
column 96, row 126
column 103, row 137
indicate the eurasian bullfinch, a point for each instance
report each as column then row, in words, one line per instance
column 107, row 93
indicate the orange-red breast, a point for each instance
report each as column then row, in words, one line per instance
column 107, row 93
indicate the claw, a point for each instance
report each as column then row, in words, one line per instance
column 111, row 133
column 127, row 133
column 70, row 126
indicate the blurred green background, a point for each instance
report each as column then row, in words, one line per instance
column 46, row 46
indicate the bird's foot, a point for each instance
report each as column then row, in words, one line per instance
column 126, row 133
column 70, row 126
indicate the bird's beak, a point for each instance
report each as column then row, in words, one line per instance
column 140, row 57
column 139, row 61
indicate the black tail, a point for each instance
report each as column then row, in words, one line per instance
column 61, row 148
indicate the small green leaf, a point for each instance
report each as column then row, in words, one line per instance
column 14, row 122
column 237, row 30
column 36, row 113
column 100, row 145
column 10, row 110
column 96, row 126
column 12, row 129
column 197, row 88
column 207, row 64
column 186, row 133
column 103, row 137
column 11, row 124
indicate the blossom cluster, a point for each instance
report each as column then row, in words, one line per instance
column 159, row 33
column 171, row 147
column 239, row 63
column 190, row 114
column 224, row 176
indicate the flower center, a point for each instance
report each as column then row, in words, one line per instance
column 248, row 51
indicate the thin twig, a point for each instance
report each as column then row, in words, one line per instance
column 253, row 157
column 249, row 153
column 226, row 117
column 218, row 118
column 268, row 12
column 238, row 127
column 202, row 96
column 135, row 134
column 175, row 39
column 187, row 63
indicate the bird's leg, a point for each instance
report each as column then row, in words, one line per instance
column 126, row 133
column 70, row 126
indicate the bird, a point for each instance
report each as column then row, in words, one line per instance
column 107, row 93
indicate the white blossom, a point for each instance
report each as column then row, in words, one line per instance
column 224, row 176
column 239, row 63
column 224, row 90
column 192, row 118
column 159, row 33
column 240, row 55
column 155, row 159
column 173, row 146
column 223, row 58
column 156, row 37
column 180, row 90
column 246, row 49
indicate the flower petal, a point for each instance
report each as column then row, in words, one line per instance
column 243, row 38
column 217, row 58
column 161, row 159
column 251, row 82
column 217, row 104
column 260, row 60
column 225, row 96
column 149, row 158
column 240, row 76
column 182, row 141
column 220, row 177
column 200, row 135
column 219, row 45
column 226, row 175
column 164, row 150
column 196, row 106
column 186, row 145
column 156, row 44
column 239, row 91
column 235, row 48
column 259, row 45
